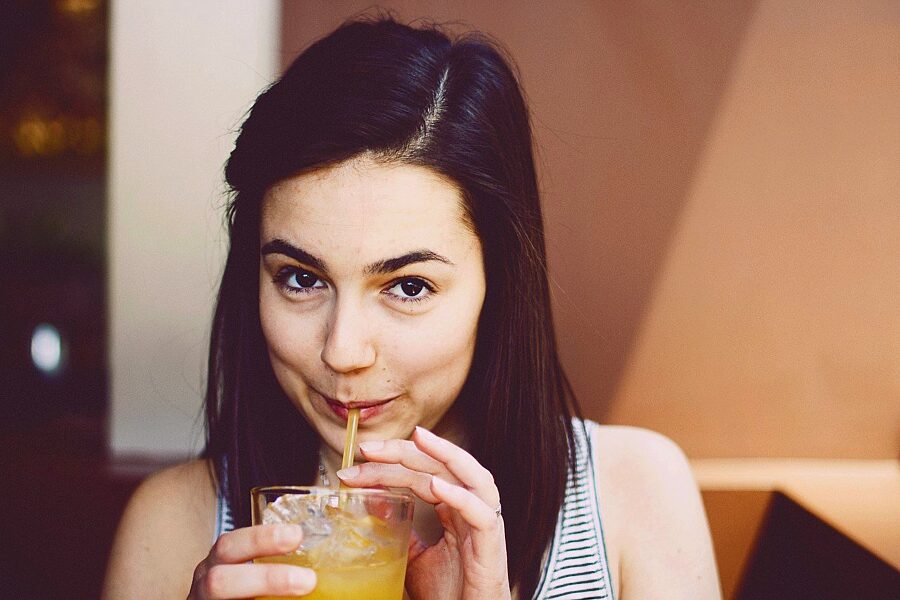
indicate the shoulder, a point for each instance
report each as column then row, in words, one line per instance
column 654, row 513
column 644, row 471
column 640, row 458
column 167, row 528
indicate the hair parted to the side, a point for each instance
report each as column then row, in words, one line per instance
column 413, row 96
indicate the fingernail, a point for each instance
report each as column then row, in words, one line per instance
column 371, row 446
column 348, row 473
column 428, row 434
column 289, row 534
column 440, row 484
column 302, row 580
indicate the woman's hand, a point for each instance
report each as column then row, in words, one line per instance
column 469, row 561
column 225, row 573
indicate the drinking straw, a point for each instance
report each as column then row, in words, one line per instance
column 350, row 440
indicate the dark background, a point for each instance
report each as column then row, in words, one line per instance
column 53, row 63
column 55, row 479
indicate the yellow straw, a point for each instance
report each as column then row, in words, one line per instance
column 350, row 439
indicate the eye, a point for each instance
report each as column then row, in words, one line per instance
column 298, row 281
column 411, row 289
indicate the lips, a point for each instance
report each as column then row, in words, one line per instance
column 367, row 408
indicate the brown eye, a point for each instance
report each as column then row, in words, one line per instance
column 296, row 281
column 303, row 279
column 412, row 287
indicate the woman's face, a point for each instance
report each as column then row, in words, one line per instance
column 370, row 289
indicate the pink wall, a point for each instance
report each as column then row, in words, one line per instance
column 720, row 186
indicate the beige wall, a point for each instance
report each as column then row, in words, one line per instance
column 181, row 76
column 774, row 324
column 720, row 183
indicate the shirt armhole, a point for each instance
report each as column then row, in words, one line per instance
column 594, row 490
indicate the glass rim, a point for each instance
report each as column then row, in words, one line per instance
column 313, row 490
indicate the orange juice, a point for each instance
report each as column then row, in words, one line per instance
column 373, row 581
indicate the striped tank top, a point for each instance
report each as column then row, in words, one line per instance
column 575, row 566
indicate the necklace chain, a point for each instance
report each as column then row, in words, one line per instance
column 323, row 473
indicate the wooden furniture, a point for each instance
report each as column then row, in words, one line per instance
column 796, row 528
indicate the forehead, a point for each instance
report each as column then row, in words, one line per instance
column 368, row 208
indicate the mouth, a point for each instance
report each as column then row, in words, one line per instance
column 368, row 409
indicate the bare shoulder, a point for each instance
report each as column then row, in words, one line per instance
column 167, row 528
column 659, row 535
column 641, row 457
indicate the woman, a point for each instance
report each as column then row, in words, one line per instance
column 387, row 253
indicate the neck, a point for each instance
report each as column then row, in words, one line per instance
column 451, row 428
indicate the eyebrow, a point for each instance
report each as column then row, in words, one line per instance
column 381, row 267
column 279, row 246
column 390, row 265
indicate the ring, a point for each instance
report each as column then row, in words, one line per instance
column 497, row 511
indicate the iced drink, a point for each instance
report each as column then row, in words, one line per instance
column 355, row 540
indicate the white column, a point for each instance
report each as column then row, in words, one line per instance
column 182, row 74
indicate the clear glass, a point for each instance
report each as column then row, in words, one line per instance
column 356, row 540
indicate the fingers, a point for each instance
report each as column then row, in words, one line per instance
column 402, row 452
column 440, row 473
column 426, row 453
column 461, row 464
column 251, row 580
column 396, row 463
column 484, row 525
column 258, row 541
column 389, row 475
column 225, row 574
column 477, row 514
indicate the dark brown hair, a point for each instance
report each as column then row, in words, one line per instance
column 412, row 96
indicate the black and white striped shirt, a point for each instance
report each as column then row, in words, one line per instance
column 576, row 566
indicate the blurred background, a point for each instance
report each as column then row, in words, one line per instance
column 720, row 183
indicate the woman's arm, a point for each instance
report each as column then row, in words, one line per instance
column 167, row 528
column 162, row 548
column 663, row 542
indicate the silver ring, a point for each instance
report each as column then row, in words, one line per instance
column 497, row 511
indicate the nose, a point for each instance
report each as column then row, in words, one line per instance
column 348, row 343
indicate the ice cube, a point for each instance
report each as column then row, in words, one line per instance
column 351, row 542
column 303, row 510
column 334, row 533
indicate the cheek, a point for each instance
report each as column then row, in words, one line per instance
column 291, row 339
column 435, row 357
column 440, row 350
column 273, row 326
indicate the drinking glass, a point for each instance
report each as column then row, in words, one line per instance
column 356, row 540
